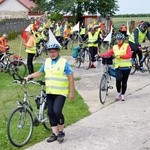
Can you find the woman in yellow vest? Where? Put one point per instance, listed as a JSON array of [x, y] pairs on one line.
[[122, 64], [59, 83], [30, 50], [137, 37]]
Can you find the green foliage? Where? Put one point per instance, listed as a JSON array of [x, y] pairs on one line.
[[55, 16], [77, 8]]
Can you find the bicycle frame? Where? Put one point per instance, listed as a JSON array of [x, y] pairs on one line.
[[21, 120]]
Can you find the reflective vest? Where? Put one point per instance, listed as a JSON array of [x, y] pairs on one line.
[[82, 32], [141, 36], [55, 78], [3, 43], [58, 32], [121, 51], [93, 38], [31, 50]]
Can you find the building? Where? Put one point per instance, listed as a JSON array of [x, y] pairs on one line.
[[17, 9]]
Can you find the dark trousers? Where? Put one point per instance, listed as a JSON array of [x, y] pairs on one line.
[[121, 80], [93, 52], [55, 104], [30, 63], [135, 49]]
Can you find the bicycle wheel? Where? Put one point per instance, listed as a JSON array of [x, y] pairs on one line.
[[46, 122], [17, 67], [147, 63], [103, 89], [77, 62], [133, 67], [20, 127], [87, 60], [70, 45]]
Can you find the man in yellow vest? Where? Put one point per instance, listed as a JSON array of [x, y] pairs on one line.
[[122, 64], [59, 83], [93, 40], [137, 37]]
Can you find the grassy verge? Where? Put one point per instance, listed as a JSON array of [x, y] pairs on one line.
[[11, 92]]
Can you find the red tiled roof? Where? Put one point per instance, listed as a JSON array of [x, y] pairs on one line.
[[27, 3], [1, 1]]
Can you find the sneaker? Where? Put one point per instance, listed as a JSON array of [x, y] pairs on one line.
[[52, 138], [61, 136], [142, 69], [118, 97], [122, 98]]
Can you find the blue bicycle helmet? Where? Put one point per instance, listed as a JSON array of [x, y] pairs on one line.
[[53, 46], [120, 36]]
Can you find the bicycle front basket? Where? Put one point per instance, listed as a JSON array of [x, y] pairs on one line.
[[108, 61]]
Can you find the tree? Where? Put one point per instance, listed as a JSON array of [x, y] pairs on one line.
[[77, 8]]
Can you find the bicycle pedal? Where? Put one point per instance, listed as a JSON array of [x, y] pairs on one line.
[[35, 122], [110, 87]]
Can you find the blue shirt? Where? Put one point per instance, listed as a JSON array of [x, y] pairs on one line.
[[67, 70]]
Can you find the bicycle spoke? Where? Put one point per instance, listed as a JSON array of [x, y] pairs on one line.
[[103, 89], [20, 127], [87, 60]]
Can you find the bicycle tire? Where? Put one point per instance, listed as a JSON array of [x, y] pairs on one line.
[[103, 89], [147, 63], [87, 60], [133, 67], [77, 62], [46, 123], [17, 67], [69, 45], [20, 127]]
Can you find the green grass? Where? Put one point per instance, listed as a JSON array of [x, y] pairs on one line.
[[119, 21], [11, 92]]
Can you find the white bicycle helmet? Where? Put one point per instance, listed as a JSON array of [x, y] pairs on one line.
[[53, 46]]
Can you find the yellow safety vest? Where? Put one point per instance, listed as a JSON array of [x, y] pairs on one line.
[[121, 51], [32, 50], [92, 38], [55, 78], [82, 32], [141, 36], [58, 32]]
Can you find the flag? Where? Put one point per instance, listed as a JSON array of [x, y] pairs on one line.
[[109, 36], [52, 39], [128, 32], [24, 35], [76, 27]]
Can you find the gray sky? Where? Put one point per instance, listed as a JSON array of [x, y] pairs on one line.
[[133, 6]]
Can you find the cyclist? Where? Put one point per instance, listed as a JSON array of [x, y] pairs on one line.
[[137, 37], [123, 29], [93, 40], [122, 64], [30, 46], [4, 47], [58, 77]]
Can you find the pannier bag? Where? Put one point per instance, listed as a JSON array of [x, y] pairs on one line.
[[75, 51], [17, 60]]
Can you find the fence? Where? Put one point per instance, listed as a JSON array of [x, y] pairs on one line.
[[13, 25]]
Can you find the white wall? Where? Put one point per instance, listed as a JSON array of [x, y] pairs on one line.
[[12, 5]]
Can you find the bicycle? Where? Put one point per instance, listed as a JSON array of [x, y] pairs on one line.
[[105, 81], [16, 66], [21, 122], [83, 57], [145, 60]]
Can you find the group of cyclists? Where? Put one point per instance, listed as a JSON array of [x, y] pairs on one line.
[[58, 73]]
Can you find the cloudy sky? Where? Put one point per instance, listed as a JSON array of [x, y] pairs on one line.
[[133, 6]]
